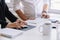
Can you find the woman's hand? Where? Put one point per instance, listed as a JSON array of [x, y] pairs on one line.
[[23, 22], [17, 24], [20, 23], [31, 18], [44, 15], [12, 25]]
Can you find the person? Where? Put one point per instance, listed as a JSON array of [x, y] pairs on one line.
[[31, 8], [4, 12]]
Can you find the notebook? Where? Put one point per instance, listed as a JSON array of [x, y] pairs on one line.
[[10, 33]]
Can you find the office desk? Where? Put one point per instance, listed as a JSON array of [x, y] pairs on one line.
[[32, 34]]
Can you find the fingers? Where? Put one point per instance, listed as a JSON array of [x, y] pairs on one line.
[[18, 21], [11, 25], [20, 24], [17, 24], [45, 16], [31, 18]]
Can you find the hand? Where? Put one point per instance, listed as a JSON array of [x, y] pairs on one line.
[[31, 18], [12, 25], [44, 15], [18, 21], [17, 24]]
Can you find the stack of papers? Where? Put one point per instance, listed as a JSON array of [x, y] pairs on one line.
[[10, 33], [37, 21], [34, 22]]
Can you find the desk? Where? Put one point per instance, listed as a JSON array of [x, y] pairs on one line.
[[32, 34]]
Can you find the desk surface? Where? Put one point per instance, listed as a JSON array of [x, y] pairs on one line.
[[32, 34]]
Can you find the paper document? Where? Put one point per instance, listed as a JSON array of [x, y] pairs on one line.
[[10, 33], [37, 21], [33, 22]]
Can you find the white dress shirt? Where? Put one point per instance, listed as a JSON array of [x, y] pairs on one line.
[[30, 7]]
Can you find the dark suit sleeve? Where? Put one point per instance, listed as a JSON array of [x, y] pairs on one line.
[[9, 15], [3, 24]]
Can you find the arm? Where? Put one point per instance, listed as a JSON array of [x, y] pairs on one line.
[[21, 15], [18, 10], [45, 9], [46, 5], [9, 15]]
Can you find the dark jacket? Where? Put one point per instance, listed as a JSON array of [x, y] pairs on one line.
[[4, 12]]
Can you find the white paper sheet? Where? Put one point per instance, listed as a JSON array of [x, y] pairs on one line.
[[8, 32]]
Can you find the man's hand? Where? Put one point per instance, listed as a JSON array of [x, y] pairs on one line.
[[44, 15]]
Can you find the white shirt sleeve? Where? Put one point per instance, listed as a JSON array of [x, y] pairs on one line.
[[16, 5]]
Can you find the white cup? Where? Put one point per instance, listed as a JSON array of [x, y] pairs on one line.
[[46, 29]]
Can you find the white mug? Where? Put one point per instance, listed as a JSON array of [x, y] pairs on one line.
[[46, 29]]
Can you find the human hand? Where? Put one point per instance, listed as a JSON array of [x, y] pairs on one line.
[[31, 18], [12, 25], [44, 15], [16, 24], [19, 21]]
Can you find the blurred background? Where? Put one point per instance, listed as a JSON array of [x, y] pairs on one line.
[[54, 8]]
